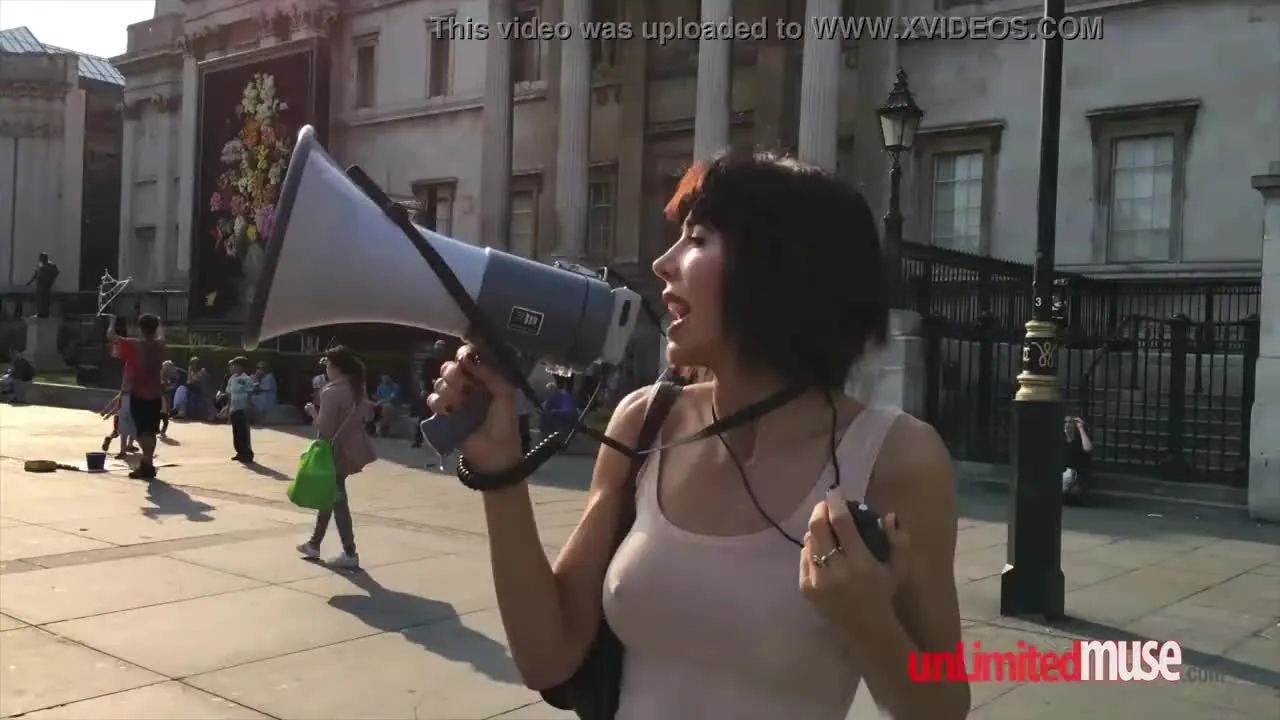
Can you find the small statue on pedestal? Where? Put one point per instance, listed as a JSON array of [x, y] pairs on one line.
[[44, 277]]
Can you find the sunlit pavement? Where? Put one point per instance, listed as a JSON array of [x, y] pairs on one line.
[[185, 599]]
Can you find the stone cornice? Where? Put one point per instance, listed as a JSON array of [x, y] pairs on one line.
[[281, 23], [39, 91], [27, 128], [133, 109]]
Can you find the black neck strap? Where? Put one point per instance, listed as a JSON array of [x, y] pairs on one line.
[[504, 359]]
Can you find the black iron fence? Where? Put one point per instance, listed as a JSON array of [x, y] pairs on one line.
[[1161, 370]]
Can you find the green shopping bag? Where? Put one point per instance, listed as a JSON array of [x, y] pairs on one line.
[[316, 484]]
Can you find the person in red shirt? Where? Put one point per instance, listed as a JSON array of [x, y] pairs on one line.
[[143, 358]]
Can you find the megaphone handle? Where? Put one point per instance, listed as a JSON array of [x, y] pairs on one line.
[[446, 432]]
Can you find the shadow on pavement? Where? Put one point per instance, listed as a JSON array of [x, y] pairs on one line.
[[265, 471], [1244, 672], [169, 500], [390, 610]]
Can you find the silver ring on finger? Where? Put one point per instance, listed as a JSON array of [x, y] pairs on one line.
[[821, 561]]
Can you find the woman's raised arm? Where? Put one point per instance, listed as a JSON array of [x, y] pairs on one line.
[[551, 615]]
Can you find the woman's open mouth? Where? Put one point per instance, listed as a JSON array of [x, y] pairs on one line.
[[677, 308]]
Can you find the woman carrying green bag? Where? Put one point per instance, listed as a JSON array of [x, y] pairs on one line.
[[340, 418]]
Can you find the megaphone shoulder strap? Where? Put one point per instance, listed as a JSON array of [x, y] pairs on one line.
[[504, 358]]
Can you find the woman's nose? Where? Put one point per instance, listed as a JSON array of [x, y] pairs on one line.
[[663, 265]]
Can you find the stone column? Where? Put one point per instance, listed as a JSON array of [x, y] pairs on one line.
[[1264, 427], [573, 147], [188, 140], [166, 235], [128, 163], [715, 84], [628, 242], [495, 173], [67, 253], [820, 91]]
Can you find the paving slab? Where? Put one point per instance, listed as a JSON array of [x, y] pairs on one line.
[[417, 634], [441, 671], [41, 669], [65, 593], [10, 623], [537, 711], [170, 513], [393, 597], [162, 701], [1104, 701], [275, 560], [1209, 629], [35, 541], [194, 636], [1249, 593]]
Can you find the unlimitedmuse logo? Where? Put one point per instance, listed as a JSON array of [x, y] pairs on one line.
[[1085, 661]]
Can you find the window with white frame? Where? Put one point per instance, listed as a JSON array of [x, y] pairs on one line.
[[1139, 161], [601, 215], [953, 185], [1140, 226], [435, 206], [524, 216], [957, 218]]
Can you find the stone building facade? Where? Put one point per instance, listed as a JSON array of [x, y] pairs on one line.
[[569, 148], [59, 155]]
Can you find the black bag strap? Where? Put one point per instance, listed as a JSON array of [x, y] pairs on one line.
[[664, 398]]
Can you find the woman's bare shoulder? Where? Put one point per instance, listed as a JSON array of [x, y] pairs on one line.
[[915, 454]]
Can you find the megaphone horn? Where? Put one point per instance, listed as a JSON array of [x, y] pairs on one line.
[[342, 252]]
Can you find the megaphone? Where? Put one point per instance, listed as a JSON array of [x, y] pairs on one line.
[[341, 251]]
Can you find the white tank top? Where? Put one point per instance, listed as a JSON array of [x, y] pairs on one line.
[[715, 627]]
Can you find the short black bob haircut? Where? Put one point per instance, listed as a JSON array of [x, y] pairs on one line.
[[805, 287]]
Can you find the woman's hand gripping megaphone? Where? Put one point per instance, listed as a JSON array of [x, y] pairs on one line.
[[495, 445]]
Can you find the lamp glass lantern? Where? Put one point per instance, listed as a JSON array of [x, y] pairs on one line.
[[899, 117]]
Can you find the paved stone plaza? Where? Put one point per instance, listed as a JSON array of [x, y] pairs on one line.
[[184, 599]]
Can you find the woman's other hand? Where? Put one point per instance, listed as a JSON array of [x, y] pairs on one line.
[[495, 445], [311, 410], [851, 585]]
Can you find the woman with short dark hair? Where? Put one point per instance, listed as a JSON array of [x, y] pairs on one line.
[[744, 589]]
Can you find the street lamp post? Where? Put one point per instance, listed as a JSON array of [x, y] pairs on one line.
[[899, 120], [1032, 582]]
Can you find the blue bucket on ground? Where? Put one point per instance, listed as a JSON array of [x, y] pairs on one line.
[[95, 461]]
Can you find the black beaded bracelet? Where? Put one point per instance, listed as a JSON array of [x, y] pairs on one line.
[[488, 482]]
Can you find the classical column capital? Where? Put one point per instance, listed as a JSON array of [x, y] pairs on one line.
[[313, 16]]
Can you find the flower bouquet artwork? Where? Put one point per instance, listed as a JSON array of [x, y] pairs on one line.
[[253, 166]]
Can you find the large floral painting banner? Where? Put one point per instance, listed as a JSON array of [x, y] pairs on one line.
[[251, 115], [253, 164]]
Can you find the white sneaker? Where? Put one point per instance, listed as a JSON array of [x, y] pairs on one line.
[[309, 551], [345, 561]]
